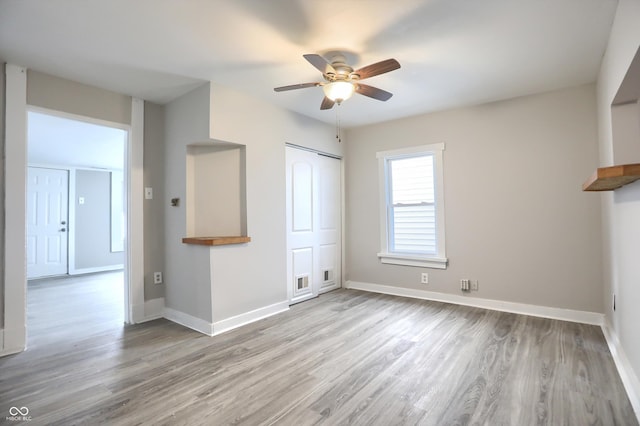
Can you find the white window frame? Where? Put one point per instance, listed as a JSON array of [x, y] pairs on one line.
[[439, 261]]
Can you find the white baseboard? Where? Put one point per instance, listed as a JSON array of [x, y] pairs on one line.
[[189, 321], [495, 305], [94, 270], [249, 317], [153, 309], [629, 378], [228, 324]]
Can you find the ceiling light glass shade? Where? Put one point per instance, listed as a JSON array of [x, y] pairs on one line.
[[338, 91]]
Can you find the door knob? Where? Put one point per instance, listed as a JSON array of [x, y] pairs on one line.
[[64, 222], [62, 229]]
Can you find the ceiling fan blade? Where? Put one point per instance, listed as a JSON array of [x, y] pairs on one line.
[[373, 92], [377, 68], [320, 63], [327, 103], [295, 86]]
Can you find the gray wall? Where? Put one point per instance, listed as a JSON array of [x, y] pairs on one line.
[[93, 221], [621, 208], [187, 273], [516, 218], [214, 112], [153, 209], [59, 94], [263, 129]]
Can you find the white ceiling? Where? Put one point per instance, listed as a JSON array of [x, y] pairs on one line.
[[452, 52], [59, 141]]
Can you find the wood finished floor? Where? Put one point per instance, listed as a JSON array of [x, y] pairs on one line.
[[347, 357]]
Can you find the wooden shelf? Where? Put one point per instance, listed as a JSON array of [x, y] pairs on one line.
[[610, 178], [215, 241]]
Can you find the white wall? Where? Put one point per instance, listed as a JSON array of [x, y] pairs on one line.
[[621, 209], [516, 218], [245, 277]]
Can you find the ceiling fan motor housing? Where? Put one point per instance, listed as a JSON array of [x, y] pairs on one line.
[[342, 70]]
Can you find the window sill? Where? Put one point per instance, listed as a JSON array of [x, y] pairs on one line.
[[408, 260]]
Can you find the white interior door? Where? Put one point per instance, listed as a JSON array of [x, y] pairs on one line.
[[47, 221], [314, 249]]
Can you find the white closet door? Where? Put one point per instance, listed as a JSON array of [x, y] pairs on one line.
[[313, 224]]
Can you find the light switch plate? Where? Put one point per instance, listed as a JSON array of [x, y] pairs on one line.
[[148, 193]]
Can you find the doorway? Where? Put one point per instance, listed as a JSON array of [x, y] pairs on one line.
[[75, 218], [314, 226], [14, 332]]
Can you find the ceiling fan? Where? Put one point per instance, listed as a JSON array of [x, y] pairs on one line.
[[341, 81]]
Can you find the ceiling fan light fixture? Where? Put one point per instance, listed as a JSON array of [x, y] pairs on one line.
[[341, 81], [339, 91]]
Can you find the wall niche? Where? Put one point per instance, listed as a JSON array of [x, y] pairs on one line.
[[216, 196]]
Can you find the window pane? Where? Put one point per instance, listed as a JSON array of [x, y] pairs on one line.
[[414, 229], [412, 180], [413, 221]]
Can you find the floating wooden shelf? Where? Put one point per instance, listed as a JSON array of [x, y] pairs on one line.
[[610, 178], [215, 241]]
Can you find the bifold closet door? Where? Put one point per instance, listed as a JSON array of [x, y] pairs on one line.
[[313, 224]]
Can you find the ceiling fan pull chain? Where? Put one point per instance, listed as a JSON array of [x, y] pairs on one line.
[[338, 125]]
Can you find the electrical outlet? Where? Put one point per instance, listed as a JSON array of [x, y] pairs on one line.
[[424, 278], [474, 285], [465, 285], [157, 277]]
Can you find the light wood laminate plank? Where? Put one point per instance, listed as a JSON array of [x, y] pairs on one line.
[[347, 357]]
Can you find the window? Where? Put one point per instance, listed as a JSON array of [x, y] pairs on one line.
[[412, 207]]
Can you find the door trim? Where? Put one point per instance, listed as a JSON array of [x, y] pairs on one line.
[[15, 195], [304, 148]]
